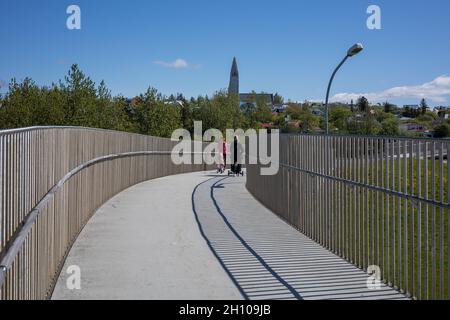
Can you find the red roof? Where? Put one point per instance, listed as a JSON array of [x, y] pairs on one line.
[[267, 126]]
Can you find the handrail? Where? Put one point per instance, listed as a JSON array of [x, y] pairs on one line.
[[27, 129], [341, 135], [437, 204], [18, 240]]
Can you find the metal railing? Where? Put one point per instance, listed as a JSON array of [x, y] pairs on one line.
[[52, 180], [374, 201]]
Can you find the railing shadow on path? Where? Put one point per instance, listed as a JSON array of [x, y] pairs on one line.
[[265, 257]]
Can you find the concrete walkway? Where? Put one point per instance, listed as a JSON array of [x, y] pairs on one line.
[[145, 244], [200, 236]]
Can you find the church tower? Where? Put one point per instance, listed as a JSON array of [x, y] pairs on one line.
[[233, 87]]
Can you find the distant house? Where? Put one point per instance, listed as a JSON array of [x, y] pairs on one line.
[[443, 112], [294, 123], [411, 106], [174, 103], [413, 127], [318, 130], [133, 101], [267, 126], [279, 108], [253, 98], [317, 112]]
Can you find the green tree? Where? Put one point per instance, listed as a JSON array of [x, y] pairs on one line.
[[442, 131], [423, 106], [220, 112], [388, 107], [363, 104], [367, 125], [278, 99], [25, 104], [81, 99], [390, 127], [294, 111], [263, 112], [308, 121], [154, 117], [339, 117]]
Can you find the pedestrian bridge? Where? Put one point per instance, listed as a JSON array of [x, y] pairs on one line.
[[140, 227], [201, 236]]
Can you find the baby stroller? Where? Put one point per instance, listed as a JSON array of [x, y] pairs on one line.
[[236, 170]]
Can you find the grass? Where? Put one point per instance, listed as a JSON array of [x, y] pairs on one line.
[[376, 211]]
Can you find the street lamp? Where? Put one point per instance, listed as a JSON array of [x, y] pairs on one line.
[[357, 48]]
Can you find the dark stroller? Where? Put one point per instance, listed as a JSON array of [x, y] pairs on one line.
[[236, 170]]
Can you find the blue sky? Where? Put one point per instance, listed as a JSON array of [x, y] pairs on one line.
[[290, 47]]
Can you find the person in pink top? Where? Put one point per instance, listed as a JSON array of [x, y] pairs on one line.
[[223, 151]]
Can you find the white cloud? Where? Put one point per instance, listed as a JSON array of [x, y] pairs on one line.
[[177, 64], [437, 90]]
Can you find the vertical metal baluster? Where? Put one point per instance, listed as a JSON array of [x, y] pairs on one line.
[[441, 222], [339, 196], [377, 206], [383, 209], [346, 206], [329, 185], [360, 197], [351, 231], [361, 193], [311, 185], [405, 216], [398, 212], [387, 243], [322, 191], [371, 208], [372, 200], [419, 222], [412, 219], [433, 221], [327, 191], [354, 222], [309, 190], [366, 208], [425, 240], [344, 195], [315, 186], [392, 218], [448, 222], [332, 188]]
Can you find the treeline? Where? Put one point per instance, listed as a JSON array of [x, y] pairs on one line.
[[361, 118], [78, 101]]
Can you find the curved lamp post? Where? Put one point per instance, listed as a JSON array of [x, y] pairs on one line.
[[357, 48]]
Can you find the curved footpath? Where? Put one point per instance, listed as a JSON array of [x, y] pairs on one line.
[[203, 236]]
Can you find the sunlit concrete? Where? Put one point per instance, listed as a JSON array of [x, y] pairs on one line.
[[203, 236], [145, 244]]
